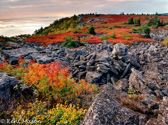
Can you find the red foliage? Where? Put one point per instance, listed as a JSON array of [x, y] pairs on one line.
[[108, 24], [93, 40], [1, 66]]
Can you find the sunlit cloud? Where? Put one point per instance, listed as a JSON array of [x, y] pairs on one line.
[[28, 9]]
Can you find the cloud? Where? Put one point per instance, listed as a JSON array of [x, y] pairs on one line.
[[14, 0], [19, 9]]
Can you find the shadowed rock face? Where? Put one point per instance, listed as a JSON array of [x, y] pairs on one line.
[[106, 110]]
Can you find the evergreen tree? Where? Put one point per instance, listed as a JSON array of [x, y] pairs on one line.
[[91, 30], [131, 20]]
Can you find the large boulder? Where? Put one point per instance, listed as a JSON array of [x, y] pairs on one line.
[[13, 54], [119, 50], [162, 118], [93, 77], [7, 91], [137, 82], [106, 110]]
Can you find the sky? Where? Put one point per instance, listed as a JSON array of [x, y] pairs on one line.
[[25, 16]]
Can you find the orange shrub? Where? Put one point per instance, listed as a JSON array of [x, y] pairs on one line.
[[52, 81]]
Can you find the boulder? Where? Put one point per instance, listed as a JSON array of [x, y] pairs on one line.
[[106, 110], [7, 91], [103, 56], [41, 58], [137, 82], [119, 50], [93, 77], [24, 51], [102, 68]]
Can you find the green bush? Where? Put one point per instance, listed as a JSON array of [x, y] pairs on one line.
[[145, 29], [91, 30], [70, 43], [137, 22], [103, 38], [38, 113], [134, 30], [131, 20]]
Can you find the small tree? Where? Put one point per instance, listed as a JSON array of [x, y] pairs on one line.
[[131, 20], [91, 30], [145, 29], [137, 21]]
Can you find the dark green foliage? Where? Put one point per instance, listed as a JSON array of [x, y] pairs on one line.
[[145, 29], [59, 25], [91, 30], [131, 20], [137, 22], [155, 22], [75, 17], [70, 43], [135, 30], [6, 39], [103, 37], [38, 31]]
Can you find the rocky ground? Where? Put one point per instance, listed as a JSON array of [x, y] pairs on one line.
[[141, 68]]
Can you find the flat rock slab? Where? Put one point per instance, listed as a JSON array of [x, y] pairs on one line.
[[41, 58], [6, 54], [106, 110]]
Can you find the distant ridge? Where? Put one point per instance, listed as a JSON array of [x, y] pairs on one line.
[[164, 14]]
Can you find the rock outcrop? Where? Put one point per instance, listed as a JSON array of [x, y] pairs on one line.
[[106, 110]]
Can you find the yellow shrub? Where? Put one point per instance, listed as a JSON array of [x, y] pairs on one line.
[[60, 115], [165, 42]]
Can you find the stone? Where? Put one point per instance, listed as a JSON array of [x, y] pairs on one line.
[[137, 82], [93, 77], [7, 91], [102, 56], [80, 63], [165, 92], [159, 121], [41, 58], [122, 85], [126, 70], [119, 50], [106, 110], [102, 68]]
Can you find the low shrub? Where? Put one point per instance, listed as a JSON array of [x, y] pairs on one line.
[[132, 102], [70, 43], [38, 113], [103, 38], [145, 29], [131, 20], [165, 42], [52, 87], [51, 81]]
